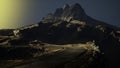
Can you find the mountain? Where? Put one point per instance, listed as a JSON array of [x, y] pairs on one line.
[[71, 25]]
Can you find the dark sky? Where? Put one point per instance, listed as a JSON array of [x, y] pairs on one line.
[[104, 10]]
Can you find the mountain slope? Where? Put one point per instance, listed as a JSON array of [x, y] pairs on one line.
[[70, 24]]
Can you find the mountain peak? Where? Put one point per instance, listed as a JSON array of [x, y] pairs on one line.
[[66, 6], [74, 11], [76, 5], [58, 12], [76, 8], [69, 12]]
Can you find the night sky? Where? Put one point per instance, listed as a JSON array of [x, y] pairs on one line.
[[33, 10]]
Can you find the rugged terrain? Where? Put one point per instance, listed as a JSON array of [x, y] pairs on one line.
[[54, 56], [67, 25]]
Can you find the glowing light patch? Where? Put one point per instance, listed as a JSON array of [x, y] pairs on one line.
[[10, 13]]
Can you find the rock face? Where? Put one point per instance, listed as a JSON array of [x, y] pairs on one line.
[[70, 24], [68, 12], [75, 12]]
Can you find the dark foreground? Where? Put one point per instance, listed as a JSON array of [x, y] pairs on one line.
[[65, 56]]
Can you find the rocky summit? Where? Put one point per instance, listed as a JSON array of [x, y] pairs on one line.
[[67, 25]]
